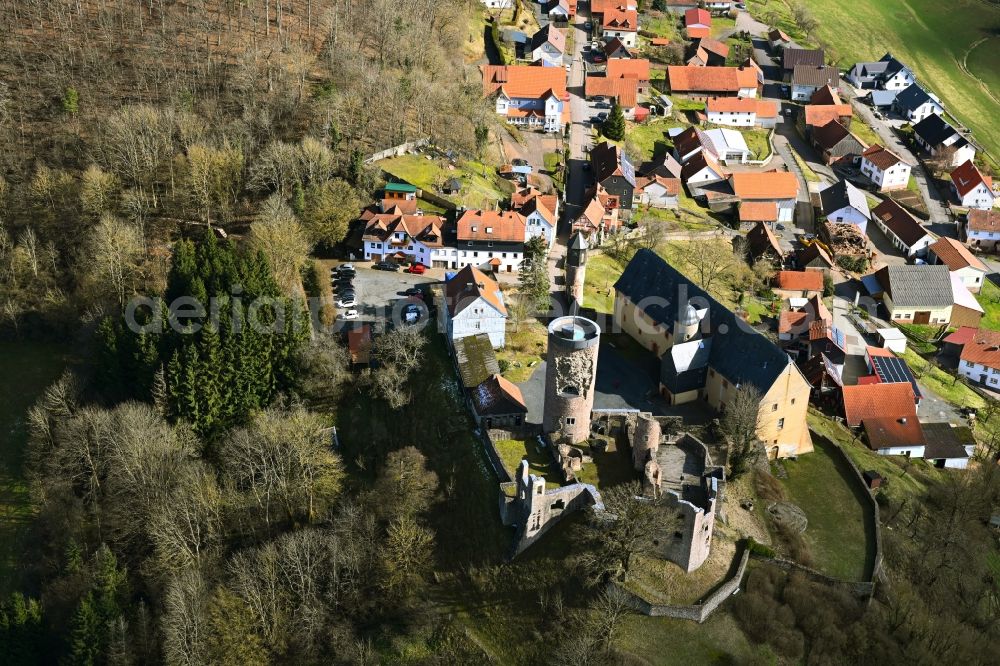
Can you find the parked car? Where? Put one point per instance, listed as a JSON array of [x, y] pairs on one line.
[[779, 227], [598, 57], [414, 292], [601, 117], [411, 313], [345, 267], [348, 315], [588, 25], [347, 302], [386, 266], [417, 269], [602, 105], [341, 287]]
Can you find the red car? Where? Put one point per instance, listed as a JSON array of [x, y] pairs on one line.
[[417, 269]]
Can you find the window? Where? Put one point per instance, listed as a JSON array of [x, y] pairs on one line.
[[478, 325], [489, 230], [570, 420], [781, 423], [793, 401], [774, 407]]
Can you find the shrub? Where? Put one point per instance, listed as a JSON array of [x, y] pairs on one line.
[[759, 549]]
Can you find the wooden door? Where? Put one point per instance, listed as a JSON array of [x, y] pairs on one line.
[[922, 318]]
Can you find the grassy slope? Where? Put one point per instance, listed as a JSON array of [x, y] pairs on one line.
[[930, 36], [822, 487], [29, 368], [478, 190], [989, 298], [602, 273]]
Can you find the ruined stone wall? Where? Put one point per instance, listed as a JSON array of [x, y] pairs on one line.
[[570, 379], [645, 440], [575, 279], [696, 612]]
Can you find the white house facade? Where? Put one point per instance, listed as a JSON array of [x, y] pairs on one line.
[[473, 305], [980, 373], [733, 118], [885, 169], [979, 196]]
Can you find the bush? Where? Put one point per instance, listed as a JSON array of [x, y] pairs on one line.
[[853, 264], [759, 549], [827, 285], [504, 365]]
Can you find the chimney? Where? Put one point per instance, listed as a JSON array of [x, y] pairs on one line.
[[903, 420]]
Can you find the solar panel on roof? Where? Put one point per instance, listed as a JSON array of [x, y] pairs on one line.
[[893, 370], [839, 338], [627, 169]]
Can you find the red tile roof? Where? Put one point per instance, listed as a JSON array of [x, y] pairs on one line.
[[423, 228], [758, 211], [826, 96], [881, 157], [884, 432], [983, 220], [490, 225], [468, 285], [817, 116], [984, 348], [879, 401], [766, 186], [792, 320], [962, 336], [731, 105], [766, 109], [625, 91], [800, 280], [955, 255], [967, 177], [698, 32], [710, 79], [524, 81], [697, 17], [714, 46], [621, 19], [628, 68], [672, 186]]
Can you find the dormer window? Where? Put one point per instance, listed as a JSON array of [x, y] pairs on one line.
[[489, 230], [474, 229]]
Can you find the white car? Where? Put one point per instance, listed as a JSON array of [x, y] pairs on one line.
[[350, 314], [345, 267], [347, 303]]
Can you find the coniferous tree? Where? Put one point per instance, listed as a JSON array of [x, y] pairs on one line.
[[614, 126], [85, 633]]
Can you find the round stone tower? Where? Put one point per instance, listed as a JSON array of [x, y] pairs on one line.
[[576, 267], [645, 440], [570, 376]]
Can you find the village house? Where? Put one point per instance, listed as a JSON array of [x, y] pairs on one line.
[[885, 367], [970, 270], [740, 111], [548, 46], [798, 284], [781, 187], [709, 52], [889, 411], [778, 40], [596, 218], [837, 144], [701, 169], [884, 168], [712, 81], [981, 229], [495, 401], [614, 49], [757, 212], [561, 11], [624, 91], [359, 345], [404, 239], [914, 103], [697, 23], [794, 57], [917, 294], [490, 239], [539, 219], [473, 304], [707, 352], [761, 241], [613, 172], [616, 19], [902, 229], [948, 446], [979, 360], [966, 311], [798, 315], [885, 74], [814, 116], [528, 96], [935, 136], [807, 79], [813, 257], [657, 191], [971, 188], [845, 204]]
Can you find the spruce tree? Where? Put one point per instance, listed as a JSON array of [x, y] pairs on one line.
[[85, 634], [614, 126]]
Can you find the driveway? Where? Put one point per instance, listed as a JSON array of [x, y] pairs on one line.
[[380, 293]]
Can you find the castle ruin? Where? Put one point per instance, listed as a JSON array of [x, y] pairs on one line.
[[570, 378]]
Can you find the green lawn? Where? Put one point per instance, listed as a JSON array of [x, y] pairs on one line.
[[602, 273], [512, 451], [934, 38], [757, 142], [823, 488], [481, 186], [609, 468], [28, 369], [661, 24], [668, 642], [904, 478], [989, 299], [650, 138], [722, 24], [863, 131], [525, 349], [807, 172]]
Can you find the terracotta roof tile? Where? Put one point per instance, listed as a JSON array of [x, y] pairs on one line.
[[955, 255], [769, 185], [697, 17], [628, 67], [714, 46], [468, 285], [792, 320], [759, 211], [624, 90], [731, 105], [967, 177], [817, 116], [881, 157], [884, 432], [761, 239], [800, 280], [710, 79], [490, 225], [524, 81], [877, 401], [984, 348], [984, 220]]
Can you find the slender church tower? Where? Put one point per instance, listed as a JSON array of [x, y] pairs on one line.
[[576, 267]]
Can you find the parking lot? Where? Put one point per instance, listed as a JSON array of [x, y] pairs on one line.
[[379, 293]]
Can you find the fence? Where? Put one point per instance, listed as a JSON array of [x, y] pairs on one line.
[[696, 612]]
